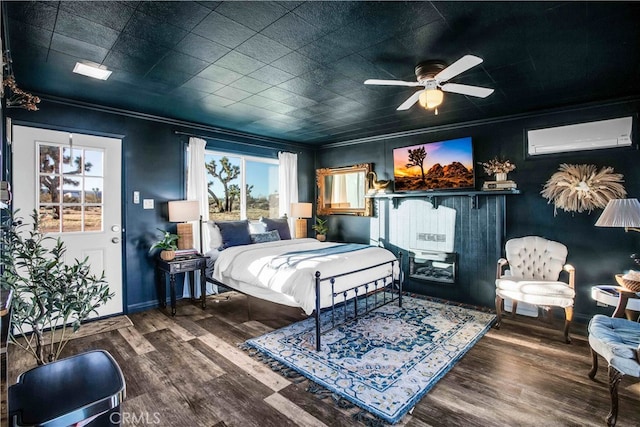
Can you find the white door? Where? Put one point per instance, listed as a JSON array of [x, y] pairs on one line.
[[73, 180]]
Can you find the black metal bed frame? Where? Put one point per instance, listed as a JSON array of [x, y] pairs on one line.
[[387, 285]]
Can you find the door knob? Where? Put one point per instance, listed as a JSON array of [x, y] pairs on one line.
[[115, 240], [115, 228]]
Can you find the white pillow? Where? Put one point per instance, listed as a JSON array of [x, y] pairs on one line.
[[215, 238], [257, 227]]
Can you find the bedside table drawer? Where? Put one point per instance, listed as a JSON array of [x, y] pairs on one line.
[[187, 265]]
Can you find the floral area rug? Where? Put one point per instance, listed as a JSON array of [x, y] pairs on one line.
[[385, 361]]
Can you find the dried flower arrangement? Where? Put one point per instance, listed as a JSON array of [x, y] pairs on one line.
[[495, 166], [579, 188]]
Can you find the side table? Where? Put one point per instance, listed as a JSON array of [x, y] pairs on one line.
[[625, 301], [187, 264]]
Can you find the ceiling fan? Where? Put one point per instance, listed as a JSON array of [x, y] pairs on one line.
[[433, 76]]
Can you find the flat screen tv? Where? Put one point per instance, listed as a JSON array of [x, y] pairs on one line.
[[443, 165]]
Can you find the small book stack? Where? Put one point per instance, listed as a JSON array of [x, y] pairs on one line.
[[186, 252], [499, 185]]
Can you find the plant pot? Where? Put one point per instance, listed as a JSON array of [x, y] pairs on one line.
[[321, 237], [501, 176], [167, 255]]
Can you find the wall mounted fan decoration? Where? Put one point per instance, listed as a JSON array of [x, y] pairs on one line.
[[433, 76]]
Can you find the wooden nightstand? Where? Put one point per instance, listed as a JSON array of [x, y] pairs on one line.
[[188, 264]]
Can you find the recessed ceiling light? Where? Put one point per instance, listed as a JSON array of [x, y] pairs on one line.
[[92, 71]]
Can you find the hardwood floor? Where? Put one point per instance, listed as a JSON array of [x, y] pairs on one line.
[[188, 371]]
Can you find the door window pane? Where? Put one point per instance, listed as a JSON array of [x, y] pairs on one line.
[[71, 188]]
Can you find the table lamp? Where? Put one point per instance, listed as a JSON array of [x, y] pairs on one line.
[[182, 211], [621, 213], [301, 211]]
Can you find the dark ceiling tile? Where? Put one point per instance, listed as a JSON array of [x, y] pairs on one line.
[[183, 14], [358, 36], [271, 75], [258, 101], [239, 63], [111, 14], [254, 14], [307, 89], [202, 85], [250, 85], [154, 30], [216, 100], [34, 35], [330, 15], [299, 101], [37, 14], [121, 61], [219, 74], [211, 5], [233, 93], [295, 64], [292, 31], [432, 42], [139, 48], [168, 76], [201, 48], [85, 30], [223, 30], [263, 48], [78, 48], [357, 68], [324, 51], [277, 94], [281, 108], [180, 62]]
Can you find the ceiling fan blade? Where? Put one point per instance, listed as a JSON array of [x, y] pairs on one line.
[[391, 83], [458, 67], [480, 92], [410, 101]]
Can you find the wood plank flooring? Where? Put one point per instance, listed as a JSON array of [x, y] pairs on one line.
[[188, 371]]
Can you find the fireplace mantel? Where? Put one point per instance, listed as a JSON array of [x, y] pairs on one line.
[[432, 196]]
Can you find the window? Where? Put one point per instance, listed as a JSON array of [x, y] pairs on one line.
[[241, 187], [71, 188]]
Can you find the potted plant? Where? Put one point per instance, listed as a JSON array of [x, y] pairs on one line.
[[167, 244], [49, 294], [321, 229]]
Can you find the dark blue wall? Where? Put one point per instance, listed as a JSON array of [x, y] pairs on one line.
[[154, 165], [597, 253]]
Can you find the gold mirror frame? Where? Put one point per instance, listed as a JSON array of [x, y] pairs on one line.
[[326, 175]]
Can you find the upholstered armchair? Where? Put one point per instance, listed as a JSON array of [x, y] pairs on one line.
[[533, 276], [618, 341]]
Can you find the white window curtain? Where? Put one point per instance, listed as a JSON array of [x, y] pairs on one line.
[[197, 190], [287, 183]]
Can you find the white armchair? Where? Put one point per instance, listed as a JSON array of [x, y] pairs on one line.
[[533, 277]]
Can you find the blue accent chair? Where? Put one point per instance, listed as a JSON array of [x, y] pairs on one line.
[[618, 341]]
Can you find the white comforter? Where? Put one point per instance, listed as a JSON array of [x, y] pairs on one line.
[[250, 269]]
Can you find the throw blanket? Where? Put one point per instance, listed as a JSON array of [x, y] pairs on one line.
[[291, 259], [248, 269]]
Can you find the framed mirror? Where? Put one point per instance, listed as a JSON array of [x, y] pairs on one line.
[[342, 190]]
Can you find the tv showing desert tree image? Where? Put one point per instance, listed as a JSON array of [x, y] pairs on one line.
[[443, 165]]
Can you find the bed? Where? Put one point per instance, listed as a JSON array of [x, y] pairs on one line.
[[312, 275]]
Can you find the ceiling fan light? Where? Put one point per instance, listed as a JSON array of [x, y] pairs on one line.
[[431, 98]]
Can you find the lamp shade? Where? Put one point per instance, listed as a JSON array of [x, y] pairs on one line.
[[301, 210], [620, 213], [184, 210], [431, 98]]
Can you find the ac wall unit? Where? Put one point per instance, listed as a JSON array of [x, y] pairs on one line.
[[583, 136]]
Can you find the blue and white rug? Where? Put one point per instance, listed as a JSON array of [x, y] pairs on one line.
[[385, 361]]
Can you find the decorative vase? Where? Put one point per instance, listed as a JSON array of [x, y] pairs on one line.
[[321, 237], [167, 255], [501, 176]]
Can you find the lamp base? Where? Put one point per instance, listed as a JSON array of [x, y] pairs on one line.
[[301, 228], [185, 235]]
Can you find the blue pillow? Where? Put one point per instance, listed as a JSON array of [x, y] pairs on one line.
[[269, 236], [234, 233], [280, 224]]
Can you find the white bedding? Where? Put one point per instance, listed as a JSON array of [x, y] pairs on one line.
[[250, 270]]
